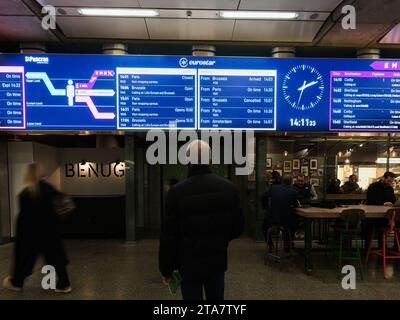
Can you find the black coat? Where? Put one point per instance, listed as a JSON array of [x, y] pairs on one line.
[[202, 215], [378, 194], [283, 201], [38, 229]]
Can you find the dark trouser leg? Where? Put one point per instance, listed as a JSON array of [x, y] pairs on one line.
[[23, 266], [63, 279], [192, 289], [55, 256], [214, 287]]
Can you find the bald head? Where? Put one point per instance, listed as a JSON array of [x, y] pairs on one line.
[[198, 152]]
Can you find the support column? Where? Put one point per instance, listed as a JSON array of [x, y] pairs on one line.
[[283, 52], [32, 47], [261, 183], [130, 190], [130, 163], [368, 54], [203, 51], [115, 48], [5, 231]]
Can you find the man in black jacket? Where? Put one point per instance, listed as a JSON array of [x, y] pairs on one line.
[[202, 215], [380, 193]]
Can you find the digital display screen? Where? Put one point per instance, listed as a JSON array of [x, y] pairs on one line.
[[105, 92]]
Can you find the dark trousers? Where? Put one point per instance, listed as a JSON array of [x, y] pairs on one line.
[[24, 265], [213, 285]]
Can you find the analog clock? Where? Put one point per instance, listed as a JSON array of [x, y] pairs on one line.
[[303, 87]]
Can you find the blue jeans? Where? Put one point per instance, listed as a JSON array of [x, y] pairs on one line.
[[214, 287]]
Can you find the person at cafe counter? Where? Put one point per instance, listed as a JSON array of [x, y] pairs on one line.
[[380, 193], [305, 191], [352, 186]]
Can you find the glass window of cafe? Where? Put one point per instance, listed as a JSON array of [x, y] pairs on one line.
[[324, 157]]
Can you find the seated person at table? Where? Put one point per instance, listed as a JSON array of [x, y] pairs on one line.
[[305, 191], [380, 193], [283, 200], [334, 187], [352, 186]]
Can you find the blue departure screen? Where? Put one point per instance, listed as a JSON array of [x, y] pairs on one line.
[[102, 92]]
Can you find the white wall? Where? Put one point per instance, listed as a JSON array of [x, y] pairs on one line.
[[51, 162], [19, 155], [47, 159]]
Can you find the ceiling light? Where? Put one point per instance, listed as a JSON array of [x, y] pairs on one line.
[[266, 15], [114, 12]]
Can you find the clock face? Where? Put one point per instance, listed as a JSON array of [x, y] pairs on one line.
[[303, 87]]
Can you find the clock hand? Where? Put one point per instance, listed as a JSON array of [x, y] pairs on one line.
[[301, 93], [304, 86]]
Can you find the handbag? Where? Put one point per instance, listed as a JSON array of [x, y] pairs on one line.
[[63, 204]]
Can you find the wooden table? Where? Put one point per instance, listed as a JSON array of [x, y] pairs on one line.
[[312, 213], [346, 196]]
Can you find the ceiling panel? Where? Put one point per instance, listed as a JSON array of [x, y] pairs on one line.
[[91, 3], [393, 36], [305, 5], [23, 28], [103, 27], [186, 29], [190, 4], [275, 31], [13, 7], [383, 11], [361, 36]]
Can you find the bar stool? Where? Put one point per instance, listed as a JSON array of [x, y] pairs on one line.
[[349, 229], [393, 216], [277, 235]]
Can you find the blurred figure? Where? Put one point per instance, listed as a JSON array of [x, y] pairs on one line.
[[305, 191], [334, 187], [38, 232], [351, 186], [275, 177], [203, 215], [281, 209]]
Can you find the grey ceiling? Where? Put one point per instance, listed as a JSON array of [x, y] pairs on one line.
[[20, 21]]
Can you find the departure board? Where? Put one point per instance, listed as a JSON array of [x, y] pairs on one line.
[[365, 100], [237, 98], [154, 98], [12, 98], [107, 92]]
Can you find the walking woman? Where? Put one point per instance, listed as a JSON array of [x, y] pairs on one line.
[[38, 232]]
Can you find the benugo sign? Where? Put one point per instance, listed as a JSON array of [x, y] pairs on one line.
[[95, 170], [93, 179]]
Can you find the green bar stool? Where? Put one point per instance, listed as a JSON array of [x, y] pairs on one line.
[[348, 230]]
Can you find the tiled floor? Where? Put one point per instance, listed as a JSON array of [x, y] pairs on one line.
[[109, 269]]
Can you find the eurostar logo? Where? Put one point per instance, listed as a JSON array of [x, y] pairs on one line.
[[183, 62]]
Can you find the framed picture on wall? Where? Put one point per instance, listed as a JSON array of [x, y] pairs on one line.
[[304, 170], [314, 182], [296, 164], [269, 163], [313, 164], [287, 166]]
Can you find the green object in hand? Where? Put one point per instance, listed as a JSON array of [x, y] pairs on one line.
[[175, 283]]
